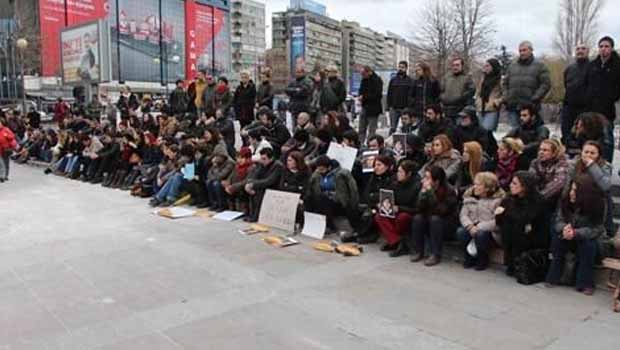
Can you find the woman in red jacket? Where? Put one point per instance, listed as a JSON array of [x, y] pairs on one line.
[[7, 145]]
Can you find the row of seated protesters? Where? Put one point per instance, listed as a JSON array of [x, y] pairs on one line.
[[452, 181]]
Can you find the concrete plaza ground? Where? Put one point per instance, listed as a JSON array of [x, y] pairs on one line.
[[83, 267]]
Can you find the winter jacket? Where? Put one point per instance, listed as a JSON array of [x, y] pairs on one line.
[[424, 93], [178, 101], [294, 182], [406, 194], [223, 100], [7, 140], [374, 186], [264, 95], [340, 90], [526, 81], [523, 216], [208, 98], [266, 177], [584, 229], [575, 84], [481, 211], [94, 147], [603, 85], [450, 163], [457, 91], [299, 92], [474, 132], [494, 102], [531, 134], [221, 171], [244, 101], [601, 173], [429, 130], [552, 177], [371, 91], [201, 97], [399, 91], [346, 192], [226, 128], [440, 202]]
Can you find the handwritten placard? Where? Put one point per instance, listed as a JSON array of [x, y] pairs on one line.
[[343, 154], [279, 210]]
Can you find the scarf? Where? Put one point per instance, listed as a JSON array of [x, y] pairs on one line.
[[242, 170], [505, 169]]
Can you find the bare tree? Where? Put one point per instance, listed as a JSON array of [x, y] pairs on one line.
[[435, 36], [577, 23], [475, 27]]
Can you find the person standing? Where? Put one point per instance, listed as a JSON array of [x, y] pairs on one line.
[[299, 92], [426, 90], [370, 93], [603, 88], [61, 109], [575, 101], [244, 100], [335, 86], [178, 99], [489, 95], [7, 145], [457, 90], [527, 81], [264, 96], [399, 91], [200, 85]]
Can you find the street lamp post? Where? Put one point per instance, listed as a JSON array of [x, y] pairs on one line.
[[22, 44]]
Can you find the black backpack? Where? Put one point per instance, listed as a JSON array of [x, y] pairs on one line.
[[531, 266]]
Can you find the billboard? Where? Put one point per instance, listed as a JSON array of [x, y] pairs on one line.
[[85, 53], [310, 5], [137, 37], [298, 42], [208, 39], [52, 16]]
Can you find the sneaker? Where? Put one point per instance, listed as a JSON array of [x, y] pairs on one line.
[[154, 202]]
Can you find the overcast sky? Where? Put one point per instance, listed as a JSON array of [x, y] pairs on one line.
[[516, 20]]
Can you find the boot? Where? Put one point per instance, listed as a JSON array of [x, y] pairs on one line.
[[482, 262], [120, 177], [107, 180], [130, 180]]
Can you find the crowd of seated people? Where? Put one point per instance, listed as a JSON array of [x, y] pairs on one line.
[[452, 181]]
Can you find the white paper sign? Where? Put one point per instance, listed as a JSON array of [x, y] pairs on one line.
[[279, 210], [314, 225], [345, 155], [228, 215]]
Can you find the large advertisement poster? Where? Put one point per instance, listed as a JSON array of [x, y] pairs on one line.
[[85, 53], [298, 43], [208, 40], [139, 31], [52, 15], [80, 54]]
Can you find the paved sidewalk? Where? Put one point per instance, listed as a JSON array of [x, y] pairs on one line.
[[83, 267]]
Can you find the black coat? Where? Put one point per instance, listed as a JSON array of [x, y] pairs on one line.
[[226, 127], [399, 91], [424, 93], [603, 85], [178, 101], [521, 212], [532, 134], [373, 187], [244, 101], [475, 132], [371, 91], [299, 92], [294, 182], [266, 177], [264, 96], [340, 90], [575, 84], [406, 194], [429, 130]]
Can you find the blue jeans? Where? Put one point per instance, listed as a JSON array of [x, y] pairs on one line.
[[394, 118], [171, 189], [489, 120], [483, 241], [72, 163], [586, 252], [215, 191], [514, 119]]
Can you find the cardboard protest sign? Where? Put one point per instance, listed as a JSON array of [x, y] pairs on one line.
[[343, 154], [386, 203], [368, 161], [279, 210], [399, 145], [314, 225]]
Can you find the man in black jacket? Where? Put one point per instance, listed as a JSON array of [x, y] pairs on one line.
[[371, 93], [603, 88], [398, 94], [299, 92], [469, 130], [337, 88], [575, 101], [435, 124], [531, 132], [178, 100], [265, 176]]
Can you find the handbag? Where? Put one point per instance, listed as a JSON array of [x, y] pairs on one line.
[[531, 266]]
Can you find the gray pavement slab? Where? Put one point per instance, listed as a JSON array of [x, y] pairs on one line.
[[88, 268]]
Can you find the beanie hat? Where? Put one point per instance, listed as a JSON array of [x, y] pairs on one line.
[[607, 38]]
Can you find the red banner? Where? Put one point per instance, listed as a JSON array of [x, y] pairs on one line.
[[52, 15], [200, 29]]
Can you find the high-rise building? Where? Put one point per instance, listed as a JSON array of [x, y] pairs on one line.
[[360, 48], [301, 37], [248, 37], [401, 48], [309, 5]]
